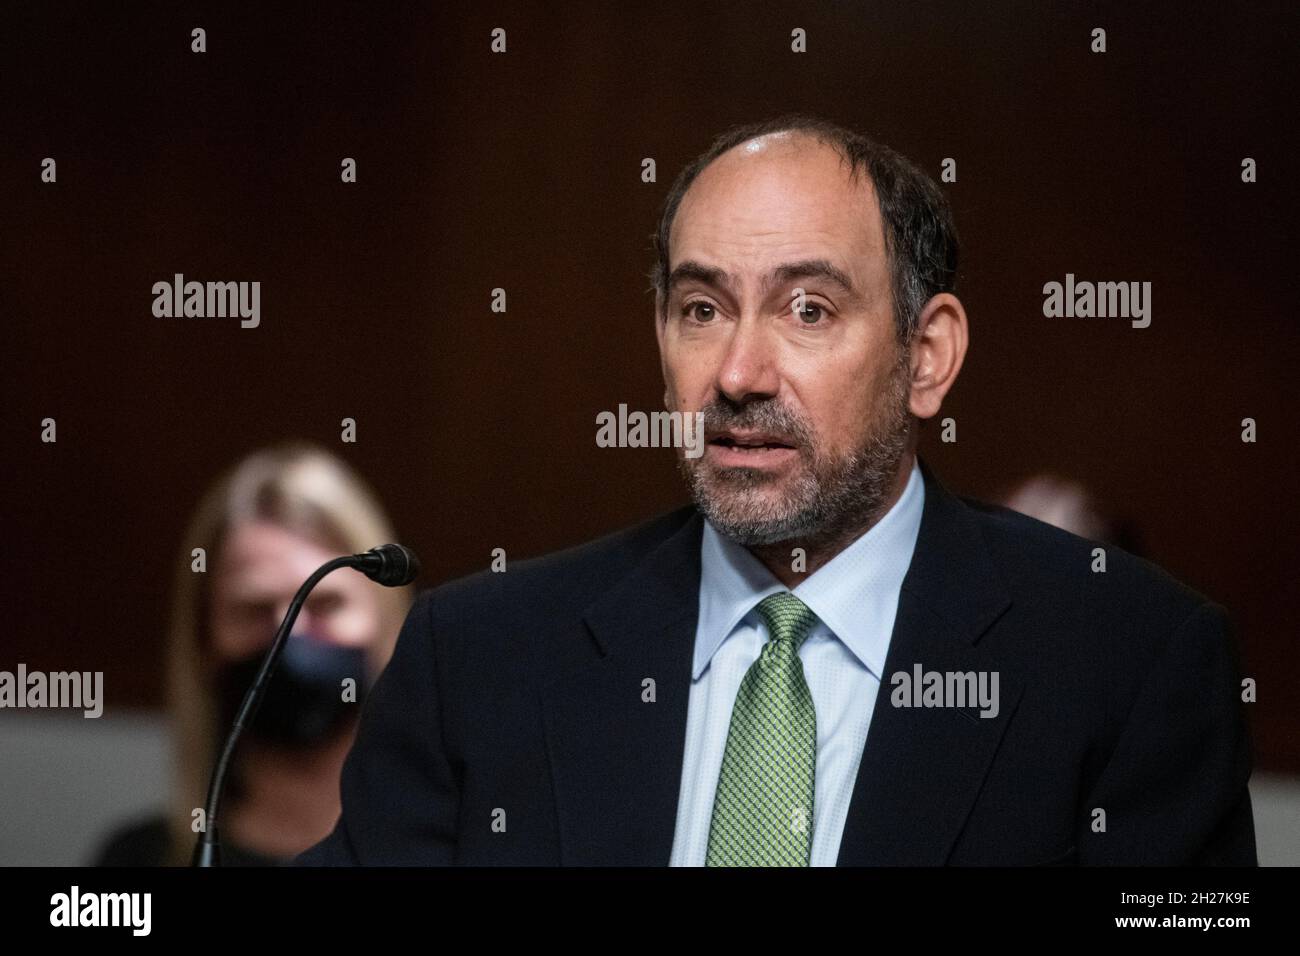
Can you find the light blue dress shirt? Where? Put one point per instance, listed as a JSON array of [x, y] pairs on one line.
[[855, 597]]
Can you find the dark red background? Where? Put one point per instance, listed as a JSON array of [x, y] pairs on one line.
[[523, 171]]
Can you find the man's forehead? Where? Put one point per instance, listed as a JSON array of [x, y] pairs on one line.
[[762, 206]]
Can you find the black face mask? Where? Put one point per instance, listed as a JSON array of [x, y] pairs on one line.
[[303, 706]]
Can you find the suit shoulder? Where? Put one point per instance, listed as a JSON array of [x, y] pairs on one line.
[[558, 579]]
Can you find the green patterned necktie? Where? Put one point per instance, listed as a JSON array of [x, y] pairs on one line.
[[763, 810]]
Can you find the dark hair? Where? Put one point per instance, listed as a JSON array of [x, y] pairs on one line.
[[920, 237]]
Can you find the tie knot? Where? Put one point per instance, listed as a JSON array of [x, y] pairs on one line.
[[787, 618]]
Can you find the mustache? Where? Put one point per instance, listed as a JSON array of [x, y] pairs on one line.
[[769, 417]]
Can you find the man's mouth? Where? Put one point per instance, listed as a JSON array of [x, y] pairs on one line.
[[751, 441], [742, 449]]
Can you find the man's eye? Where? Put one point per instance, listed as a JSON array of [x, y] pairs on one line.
[[811, 313], [705, 314]]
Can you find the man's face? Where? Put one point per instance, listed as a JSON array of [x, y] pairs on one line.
[[805, 412]]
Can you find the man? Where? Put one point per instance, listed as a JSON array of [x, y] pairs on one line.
[[830, 659]]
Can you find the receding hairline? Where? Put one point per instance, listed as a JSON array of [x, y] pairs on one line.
[[791, 140]]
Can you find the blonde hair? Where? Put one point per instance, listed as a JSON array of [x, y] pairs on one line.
[[303, 489]]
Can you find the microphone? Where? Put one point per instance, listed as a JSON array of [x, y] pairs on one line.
[[391, 565]]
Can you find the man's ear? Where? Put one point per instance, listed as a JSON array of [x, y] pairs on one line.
[[938, 350]]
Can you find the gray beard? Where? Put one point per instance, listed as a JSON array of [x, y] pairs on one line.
[[829, 497]]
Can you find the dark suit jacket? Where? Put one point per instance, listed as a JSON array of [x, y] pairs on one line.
[[516, 698]]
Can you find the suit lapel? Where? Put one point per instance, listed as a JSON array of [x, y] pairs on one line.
[[922, 768], [616, 758]]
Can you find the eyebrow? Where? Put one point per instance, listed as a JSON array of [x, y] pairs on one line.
[[803, 269]]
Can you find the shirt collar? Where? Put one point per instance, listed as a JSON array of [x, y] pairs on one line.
[[855, 594]]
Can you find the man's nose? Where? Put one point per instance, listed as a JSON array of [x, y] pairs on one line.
[[749, 368]]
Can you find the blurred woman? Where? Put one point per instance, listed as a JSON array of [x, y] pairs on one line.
[[264, 527], [1067, 504]]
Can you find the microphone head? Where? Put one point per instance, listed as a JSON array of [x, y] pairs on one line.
[[392, 565]]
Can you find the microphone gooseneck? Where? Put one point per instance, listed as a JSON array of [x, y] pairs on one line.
[[391, 565]]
